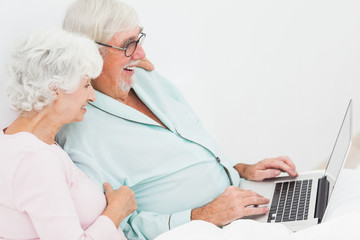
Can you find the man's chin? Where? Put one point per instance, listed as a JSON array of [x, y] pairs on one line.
[[125, 86]]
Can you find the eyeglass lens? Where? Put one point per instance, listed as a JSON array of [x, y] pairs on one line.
[[131, 48]]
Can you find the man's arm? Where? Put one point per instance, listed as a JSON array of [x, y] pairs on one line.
[[236, 203], [267, 168], [232, 204]]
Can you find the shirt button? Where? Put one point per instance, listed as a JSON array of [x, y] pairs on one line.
[[218, 159]]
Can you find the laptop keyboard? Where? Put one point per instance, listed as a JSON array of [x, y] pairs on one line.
[[290, 201]]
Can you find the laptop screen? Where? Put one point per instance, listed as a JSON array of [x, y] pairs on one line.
[[340, 149]]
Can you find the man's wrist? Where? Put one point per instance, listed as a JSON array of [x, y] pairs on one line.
[[195, 214], [202, 213], [241, 169]]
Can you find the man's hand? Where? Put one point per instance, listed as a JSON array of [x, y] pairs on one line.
[[232, 204], [267, 168], [145, 64]]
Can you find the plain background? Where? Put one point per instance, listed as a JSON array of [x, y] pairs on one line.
[[267, 77]]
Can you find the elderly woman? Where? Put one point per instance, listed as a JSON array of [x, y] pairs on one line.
[[43, 195]]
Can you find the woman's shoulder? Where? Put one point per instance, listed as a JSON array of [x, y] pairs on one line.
[[23, 142], [22, 147]]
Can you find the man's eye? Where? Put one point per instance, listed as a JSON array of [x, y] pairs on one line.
[[126, 45]]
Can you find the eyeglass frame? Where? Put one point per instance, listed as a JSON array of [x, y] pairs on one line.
[[142, 35]]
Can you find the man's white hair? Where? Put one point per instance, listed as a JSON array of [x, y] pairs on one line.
[[100, 19], [45, 60]]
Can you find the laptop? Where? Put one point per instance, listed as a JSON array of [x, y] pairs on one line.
[[301, 202]]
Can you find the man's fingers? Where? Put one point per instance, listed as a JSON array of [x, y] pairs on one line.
[[251, 205], [248, 211], [254, 200], [280, 165], [270, 173], [288, 161]]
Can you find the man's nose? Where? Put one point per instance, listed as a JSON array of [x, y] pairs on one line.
[[139, 53]]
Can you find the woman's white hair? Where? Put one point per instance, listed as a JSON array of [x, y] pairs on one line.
[[100, 19], [46, 60]]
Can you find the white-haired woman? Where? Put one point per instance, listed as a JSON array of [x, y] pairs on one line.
[[43, 195]]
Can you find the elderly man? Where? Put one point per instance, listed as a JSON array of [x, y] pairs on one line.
[[143, 134]]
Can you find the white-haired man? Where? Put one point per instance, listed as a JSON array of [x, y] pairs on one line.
[[144, 135]]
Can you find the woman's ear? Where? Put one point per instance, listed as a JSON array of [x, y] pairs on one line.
[[55, 91]]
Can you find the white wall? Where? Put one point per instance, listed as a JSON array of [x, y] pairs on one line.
[[18, 17], [266, 77]]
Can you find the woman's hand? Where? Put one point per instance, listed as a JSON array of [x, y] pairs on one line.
[[120, 203], [145, 64]]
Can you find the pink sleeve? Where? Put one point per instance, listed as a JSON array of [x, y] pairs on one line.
[[40, 188]]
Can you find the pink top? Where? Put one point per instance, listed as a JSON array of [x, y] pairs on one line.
[[43, 195]]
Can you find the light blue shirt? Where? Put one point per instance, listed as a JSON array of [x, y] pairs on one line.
[[171, 171]]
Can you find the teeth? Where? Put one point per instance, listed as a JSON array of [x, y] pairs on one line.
[[129, 68]]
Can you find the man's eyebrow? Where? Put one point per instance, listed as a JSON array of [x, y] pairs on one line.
[[129, 40]]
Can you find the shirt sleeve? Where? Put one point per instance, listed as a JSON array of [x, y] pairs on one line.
[[41, 190], [149, 225]]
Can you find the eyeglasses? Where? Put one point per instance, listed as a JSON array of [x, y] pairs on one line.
[[130, 48]]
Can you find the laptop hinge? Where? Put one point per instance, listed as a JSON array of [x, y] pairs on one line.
[[321, 198]]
